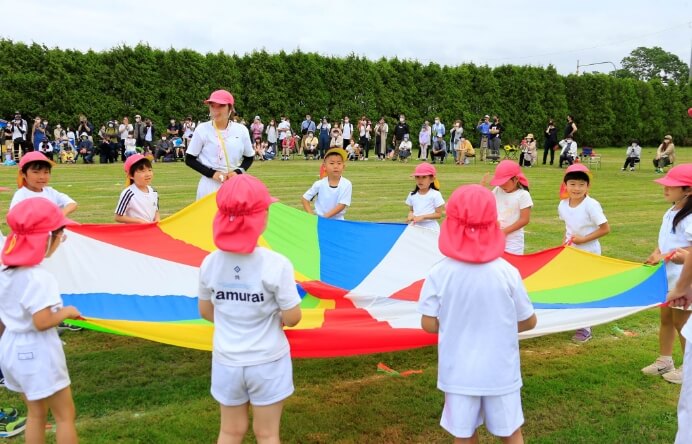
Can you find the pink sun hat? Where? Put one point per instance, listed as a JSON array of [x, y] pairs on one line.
[[424, 169], [243, 201], [471, 233], [222, 97], [574, 168], [33, 156], [505, 171], [31, 222], [133, 159], [678, 176]]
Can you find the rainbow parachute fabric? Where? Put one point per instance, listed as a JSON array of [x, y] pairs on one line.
[[359, 281]]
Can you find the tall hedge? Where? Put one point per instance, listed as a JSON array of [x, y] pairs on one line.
[[61, 84]]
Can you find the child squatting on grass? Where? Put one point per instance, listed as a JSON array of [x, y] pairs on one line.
[[139, 202], [478, 304], [332, 193], [675, 232], [33, 360], [248, 292]]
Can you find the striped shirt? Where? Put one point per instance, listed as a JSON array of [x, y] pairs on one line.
[[135, 203]]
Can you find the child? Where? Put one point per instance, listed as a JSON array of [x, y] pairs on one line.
[[675, 232], [351, 150], [33, 179], [680, 296], [269, 152], [333, 191], [259, 149], [634, 152], [287, 145], [130, 144], [584, 220], [425, 201], [67, 154], [478, 304], [513, 204], [248, 292], [139, 202], [33, 360]]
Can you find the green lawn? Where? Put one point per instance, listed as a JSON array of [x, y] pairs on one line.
[[133, 391]]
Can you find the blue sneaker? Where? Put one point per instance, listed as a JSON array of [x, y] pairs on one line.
[[12, 426]]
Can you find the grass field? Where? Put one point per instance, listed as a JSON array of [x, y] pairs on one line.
[[133, 391]]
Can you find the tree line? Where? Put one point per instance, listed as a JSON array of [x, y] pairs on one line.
[[60, 84]]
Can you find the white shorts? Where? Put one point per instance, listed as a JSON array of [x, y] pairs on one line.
[[206, 186], [463, 414], [685, 404], [33, 363], [262, 384]]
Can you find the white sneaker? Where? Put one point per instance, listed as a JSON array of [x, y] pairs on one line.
[[659, 367], [674, 376]]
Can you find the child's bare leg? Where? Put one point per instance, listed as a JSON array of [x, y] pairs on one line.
[[37, 413], [680, 318], [62, 407], [266, 422], [234, 421], [666, 332], [472, 440], [514, 438]]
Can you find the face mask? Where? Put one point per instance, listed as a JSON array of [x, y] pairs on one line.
[[437, 121], [172, 122], [401, 120]]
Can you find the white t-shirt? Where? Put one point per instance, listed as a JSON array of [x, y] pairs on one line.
[[284, 125], [248, 292], [148, 134], [24, 291], [189, 129], [347, 130], [509, 206], [134, 202], [329, 197], [125, 130], [669, 241], [426, 204], [50, 193], [130, 145], [582, 220], [205, 145], [478, 307]]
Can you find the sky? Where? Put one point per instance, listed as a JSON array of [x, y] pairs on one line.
[[520, 32]]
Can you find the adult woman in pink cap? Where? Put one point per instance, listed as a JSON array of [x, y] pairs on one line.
[[33, 360], [477, 303], [248, 292], [219, 148]]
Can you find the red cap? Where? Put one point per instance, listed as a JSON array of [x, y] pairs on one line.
[[506, 170], [31, 222], [222, 97], [424, 169], [471, 233], [678, 176], [243, 201], [33, 156]]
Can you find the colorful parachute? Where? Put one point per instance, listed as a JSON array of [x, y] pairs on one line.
[[359, 281]]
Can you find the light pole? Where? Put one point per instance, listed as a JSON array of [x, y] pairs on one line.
[[597, 63]]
